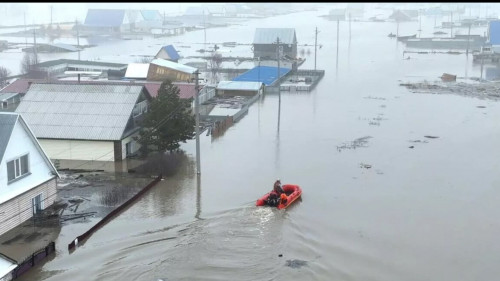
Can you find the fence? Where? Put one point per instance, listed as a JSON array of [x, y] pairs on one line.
[[102, 222], [33, 260]]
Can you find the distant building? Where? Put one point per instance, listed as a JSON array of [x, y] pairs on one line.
[[9, 101], [161, 70], [28, 178], [400, 16], [85, 121], [58, 67], [53, 48], [168, 53], [264, 43], [149, 20], [112, 20], [494, 35], [337, 14]]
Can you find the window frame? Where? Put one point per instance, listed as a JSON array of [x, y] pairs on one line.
[[18, 168]]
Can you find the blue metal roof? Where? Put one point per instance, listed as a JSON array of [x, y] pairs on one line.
[[264, 74], [151, 15], [172, 53], [104, 17], [495, 32]]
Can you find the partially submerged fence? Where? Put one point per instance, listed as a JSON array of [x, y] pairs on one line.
[[105, 220], [33, 260]]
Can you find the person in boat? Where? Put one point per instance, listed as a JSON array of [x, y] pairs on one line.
[[274, 197], [283, 198]]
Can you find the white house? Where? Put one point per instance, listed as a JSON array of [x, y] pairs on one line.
[[27, 177]]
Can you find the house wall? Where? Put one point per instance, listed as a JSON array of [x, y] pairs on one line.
[[20, 144], [269, 50], [135, 145], [159, 73], [78, 149], [19, 209]]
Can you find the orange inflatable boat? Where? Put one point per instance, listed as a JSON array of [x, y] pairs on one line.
[[292, 193]]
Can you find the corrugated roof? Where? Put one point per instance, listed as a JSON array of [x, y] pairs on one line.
[[224, 110], [104, 17], [186, 90], [137, 70], [269, 35], [174, 65], [264, 74], [171, 52], [81, 62], [239, 85], [79, 111], [6, 96], [7, 122], [151, 15]]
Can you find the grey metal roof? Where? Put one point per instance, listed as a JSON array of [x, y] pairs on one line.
[[84, 62], [7, 123], [269, 35], [6, 96], [79, 111]]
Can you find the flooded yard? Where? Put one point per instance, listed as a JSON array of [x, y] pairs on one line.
[[396, 185]]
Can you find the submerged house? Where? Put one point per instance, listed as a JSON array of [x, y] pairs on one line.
[[161, 70], [264, 42], [85, 121], [168, 53], [28, 178]]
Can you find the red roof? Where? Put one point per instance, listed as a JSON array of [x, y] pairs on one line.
[[186, 90], [20, 86]]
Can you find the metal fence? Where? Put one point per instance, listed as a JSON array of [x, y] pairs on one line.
[[35, 258]]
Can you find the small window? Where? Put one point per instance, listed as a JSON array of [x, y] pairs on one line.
[[17, 167], [4, 104]]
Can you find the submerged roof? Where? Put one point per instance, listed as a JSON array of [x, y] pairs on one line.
[[265, 74], [80, 62], [79, 111], [269, 35], [239, 85], [171, 52], [174, 66], [104, 17]]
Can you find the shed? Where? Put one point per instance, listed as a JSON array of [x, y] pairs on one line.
[[161, 70], [265, 74], [168, 53], [264, 42], [9, 101], [239, 88], [87, 121]]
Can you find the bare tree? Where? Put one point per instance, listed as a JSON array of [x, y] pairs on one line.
[[214, 64], [143, 59], [27, 62], [4, 73]]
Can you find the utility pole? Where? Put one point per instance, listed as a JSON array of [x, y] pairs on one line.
[[34, 45], [451, 24], [25, 31], [197, 113], [204, 31], [468, 42], [349, 28], [279, 85], [77, 38], [337, 43], [51, 8], [315, 47]]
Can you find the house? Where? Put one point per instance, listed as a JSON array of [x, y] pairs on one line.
[[27, 177], [52, 48], [7, 266], [264, 42], [161, 70], [58, 67], [168, 53], [85, 121], [400, 15], [239, 88], [110, 20], [9, 101], [151, 19], [186, 91]]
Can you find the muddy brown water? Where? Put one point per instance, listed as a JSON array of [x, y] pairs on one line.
[[427, 213]]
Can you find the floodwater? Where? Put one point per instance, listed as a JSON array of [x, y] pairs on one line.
[[376, 211]]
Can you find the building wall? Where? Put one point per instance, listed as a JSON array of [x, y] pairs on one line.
[[39, 170], [78, 149], [159, 73], [237, 93], [269, 50], [19, 209], [135, 144]]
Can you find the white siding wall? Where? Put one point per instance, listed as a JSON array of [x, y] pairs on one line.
[[20, 143], [18, 210], [135, 145], [78, 150]]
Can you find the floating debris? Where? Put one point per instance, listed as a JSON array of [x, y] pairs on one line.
[[366, 166], [431, 137], [484, 90], [359, 142], [296, 263]]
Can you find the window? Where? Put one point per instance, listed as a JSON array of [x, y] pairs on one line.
[[4, 104], [17, 168]]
